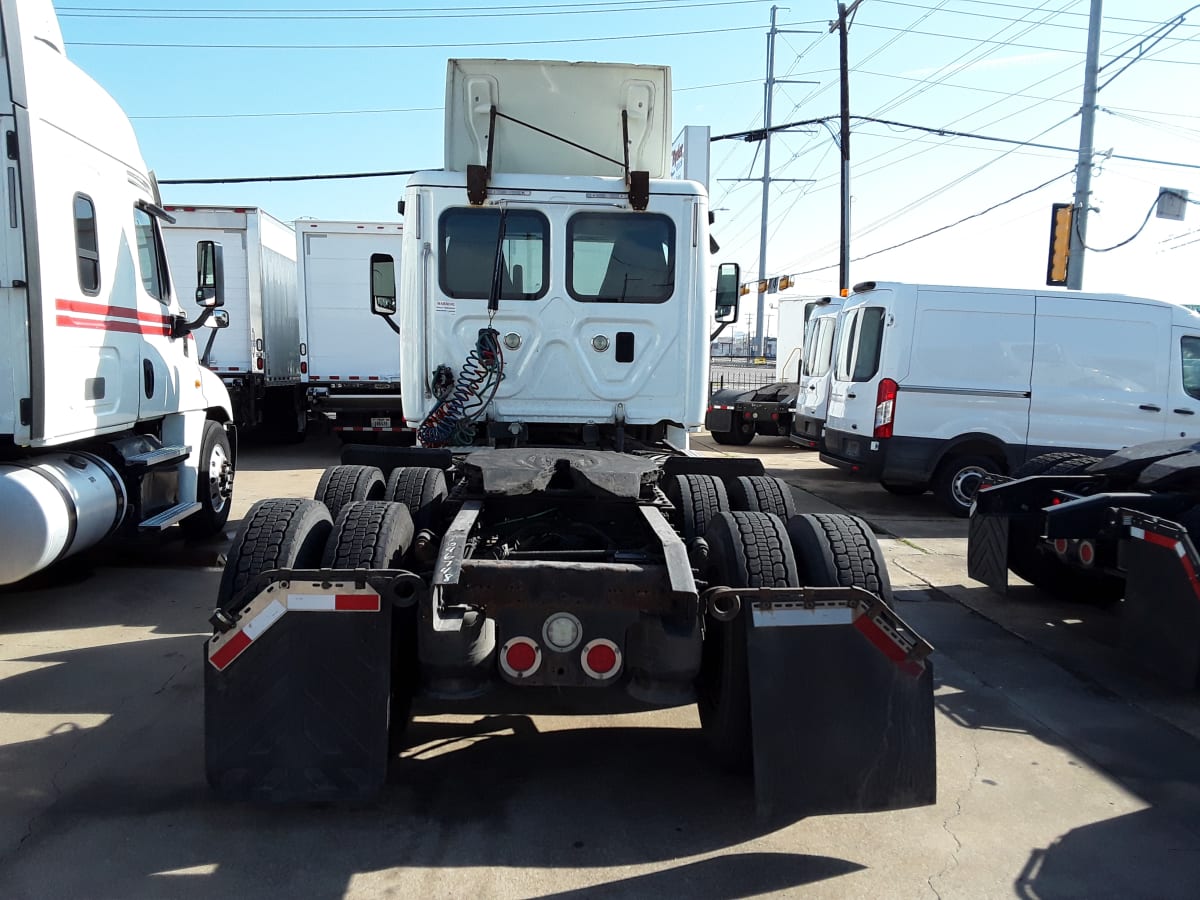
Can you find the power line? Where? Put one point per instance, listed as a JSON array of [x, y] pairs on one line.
[[247, 180], [921, 237], [424, 45], [1141, 228], [367, 15]]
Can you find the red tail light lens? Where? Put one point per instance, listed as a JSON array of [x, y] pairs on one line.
[[885, 408], [601, 659], [520, 657], [303, 368]]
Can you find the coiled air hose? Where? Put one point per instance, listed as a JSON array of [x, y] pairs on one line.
[[452, 421]]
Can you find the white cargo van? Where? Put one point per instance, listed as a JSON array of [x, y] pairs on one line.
[[932, 386], [258, 355], [351, 367], [812, 398]]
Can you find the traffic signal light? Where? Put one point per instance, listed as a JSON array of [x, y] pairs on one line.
[[1061, 226]]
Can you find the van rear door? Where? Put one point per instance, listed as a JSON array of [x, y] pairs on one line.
[[854, 386], [1099, 373]]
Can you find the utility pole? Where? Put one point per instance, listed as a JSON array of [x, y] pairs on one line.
[[1083, 168], [842, 25]]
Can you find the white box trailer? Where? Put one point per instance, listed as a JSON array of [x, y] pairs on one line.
[[108, 422], [258, 355], [350, 363]]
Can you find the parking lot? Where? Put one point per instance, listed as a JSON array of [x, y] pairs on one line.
[[1063, 770]]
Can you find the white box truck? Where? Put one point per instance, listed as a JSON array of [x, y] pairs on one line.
[[108, 422], [554, 540], [258, 355], [350, 363], [935, 385]]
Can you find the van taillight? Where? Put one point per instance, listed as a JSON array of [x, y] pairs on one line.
[[885, 408]]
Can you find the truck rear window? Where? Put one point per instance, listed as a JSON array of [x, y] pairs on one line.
[[467, 238], [620, 258], [818, 355]]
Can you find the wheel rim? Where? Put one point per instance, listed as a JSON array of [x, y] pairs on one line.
[[220, 478], [965, 485]]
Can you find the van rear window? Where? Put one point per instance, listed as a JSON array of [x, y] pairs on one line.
[[1190, 347], [859, 349]]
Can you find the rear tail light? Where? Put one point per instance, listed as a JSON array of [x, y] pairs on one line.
[[885, 408], [1087, 553], [601, 659], [520, 657], [303, 368], [1060, 546], [259, 363]]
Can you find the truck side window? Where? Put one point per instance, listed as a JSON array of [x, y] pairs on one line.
[[1190, 351], [467, 240], [87, 245], [151, 258], [620, 258]]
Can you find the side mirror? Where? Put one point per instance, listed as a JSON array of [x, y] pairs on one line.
[[219, 319], [383, 284], [729, 277], [210, 275]]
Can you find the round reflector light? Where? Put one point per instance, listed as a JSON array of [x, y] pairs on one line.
[[601, 659], [1087, 553], [562, 632], [1060, 546], [520, 657]]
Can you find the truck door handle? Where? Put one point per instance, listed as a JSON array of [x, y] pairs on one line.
[[1150, 407], [1186, 412], [851, 396]]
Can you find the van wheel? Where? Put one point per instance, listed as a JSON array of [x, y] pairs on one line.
[[958, 478], [740, 436], [904, 490], [214, 484], [746, 549]]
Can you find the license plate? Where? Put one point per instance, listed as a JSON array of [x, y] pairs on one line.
[[381, 423], [851, 449]]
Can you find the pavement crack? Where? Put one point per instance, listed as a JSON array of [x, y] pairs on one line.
[[958, 810], [172, 677]]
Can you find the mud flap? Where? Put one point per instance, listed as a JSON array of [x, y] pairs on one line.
[[296, 698], [987, 550], [841, 700], [1160, 618]]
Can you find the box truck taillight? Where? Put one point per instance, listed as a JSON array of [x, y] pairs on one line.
[[885, 408]]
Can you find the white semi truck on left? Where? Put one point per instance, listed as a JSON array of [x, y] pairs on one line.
[[108, 422]]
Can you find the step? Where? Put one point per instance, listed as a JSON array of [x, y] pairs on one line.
[[160, 457], [169, 516]]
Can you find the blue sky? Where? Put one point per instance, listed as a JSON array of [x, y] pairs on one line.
[[1007, 70]]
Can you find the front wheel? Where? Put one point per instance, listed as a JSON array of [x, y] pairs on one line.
[[214, 484]]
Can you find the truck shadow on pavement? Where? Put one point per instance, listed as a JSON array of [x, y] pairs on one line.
[[103, 795]]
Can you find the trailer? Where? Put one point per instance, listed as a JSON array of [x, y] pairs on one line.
[[1124, 527], [109, 425], [258, 355], [350, 363], [736, 414], [554, 539]]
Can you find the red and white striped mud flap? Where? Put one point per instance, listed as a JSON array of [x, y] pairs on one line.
[[1160, 618], [296, 695], [841, 701]]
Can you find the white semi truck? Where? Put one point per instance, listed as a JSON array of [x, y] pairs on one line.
[[258, 355], [351, 361], [108, 422], [554, 538]]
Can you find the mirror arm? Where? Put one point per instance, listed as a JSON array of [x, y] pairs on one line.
[[182, 327], [720, 328], [392, 324]]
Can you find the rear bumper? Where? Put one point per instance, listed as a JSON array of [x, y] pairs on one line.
[[899, 460], [806, 431], [768, 418]]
